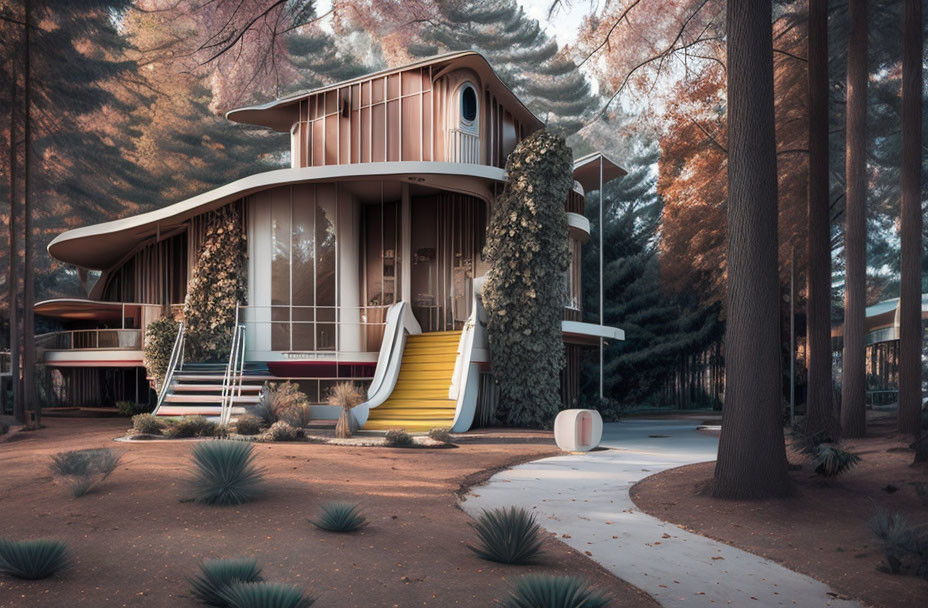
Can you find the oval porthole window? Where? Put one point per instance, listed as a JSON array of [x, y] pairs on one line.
[[468, 104]]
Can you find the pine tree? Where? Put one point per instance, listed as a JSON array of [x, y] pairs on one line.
[[524, 56], [660, 327], [80, 125]]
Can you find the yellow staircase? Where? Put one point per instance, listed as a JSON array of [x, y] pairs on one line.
[[419, 401]]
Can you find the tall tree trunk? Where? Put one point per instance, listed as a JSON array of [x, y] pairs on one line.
[[818, 314], [910, 292], [19, 412], [853, 375], [752, 455], [28, 264]]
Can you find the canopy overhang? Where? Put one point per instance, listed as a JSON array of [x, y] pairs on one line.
[[102, 246], [586, 170], [76, 309]]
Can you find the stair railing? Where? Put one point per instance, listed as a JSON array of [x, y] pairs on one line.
[[400, 322], [176, 361], [232, 379]]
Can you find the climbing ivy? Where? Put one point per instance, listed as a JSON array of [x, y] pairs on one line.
[[525, 290], [159, 343], [218, 283]]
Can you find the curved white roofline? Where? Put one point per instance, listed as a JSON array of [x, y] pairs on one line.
[[246, 114], [101, 245]]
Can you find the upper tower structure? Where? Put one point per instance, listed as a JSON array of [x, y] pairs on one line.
[[449, 108]]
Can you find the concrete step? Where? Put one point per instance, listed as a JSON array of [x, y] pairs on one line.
[[215, 388], [184, 377], [202, 410], [209, 398]]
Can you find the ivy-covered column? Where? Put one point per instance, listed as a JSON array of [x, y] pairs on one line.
[[218, 284], [525, 291]]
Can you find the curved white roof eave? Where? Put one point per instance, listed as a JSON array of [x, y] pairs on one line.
[[235, 114], [256, 183]]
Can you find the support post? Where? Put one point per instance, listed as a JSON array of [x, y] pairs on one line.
[[601, 367]]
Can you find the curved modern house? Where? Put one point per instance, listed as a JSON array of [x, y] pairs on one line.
[[364, 259]]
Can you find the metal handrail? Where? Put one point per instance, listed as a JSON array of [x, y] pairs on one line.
[[177, 356], [238, 379], [234, 371]]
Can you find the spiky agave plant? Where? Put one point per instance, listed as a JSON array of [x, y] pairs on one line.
[[32, 559], [217, 574], [831, 460], [225, 473], [545, 591], [265, 595], [507, 536], [340, 517]]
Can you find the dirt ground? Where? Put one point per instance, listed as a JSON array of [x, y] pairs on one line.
[[823, 529], [133, 542]]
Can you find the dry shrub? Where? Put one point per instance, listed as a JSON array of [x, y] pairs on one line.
[[345, 395], [398, 438], [283, 401]]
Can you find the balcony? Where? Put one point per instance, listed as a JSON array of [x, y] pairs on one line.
[[91, 348], [90, 339]]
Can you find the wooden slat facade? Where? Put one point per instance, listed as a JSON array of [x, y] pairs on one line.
[[409, 115]]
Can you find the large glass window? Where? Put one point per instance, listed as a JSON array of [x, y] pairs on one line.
[[303, 269]]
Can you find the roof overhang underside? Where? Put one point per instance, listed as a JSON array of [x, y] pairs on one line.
[[586, 170], [280, 114], [102, 246], [77, 309], [880, 316]]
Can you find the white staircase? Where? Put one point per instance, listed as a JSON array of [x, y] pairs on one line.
[[197, 390]]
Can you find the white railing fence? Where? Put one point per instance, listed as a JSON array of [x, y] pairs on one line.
[[314, 330], [463, 147], [90, 339]]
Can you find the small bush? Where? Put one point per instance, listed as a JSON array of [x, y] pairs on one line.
[[147, 424], [340, 517], [507, 536], [248, 425], [806, 441], [4, 428], [345, 395], [442, 435], [283, 401], [397, 438], [217, 574], [265, 595], [903, 546], [32, 559], [545, 591], [282, 431], [830, 460], [225, 473], [126, 408], [159, 344], [81, 470], [192, 426]]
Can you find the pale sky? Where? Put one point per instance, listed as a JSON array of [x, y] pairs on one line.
[[566, 19]]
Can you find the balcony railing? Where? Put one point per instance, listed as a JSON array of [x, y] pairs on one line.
[[302, 330], [91, 339], [463, 147]]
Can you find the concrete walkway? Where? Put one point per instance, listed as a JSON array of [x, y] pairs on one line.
[[584, 500]]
